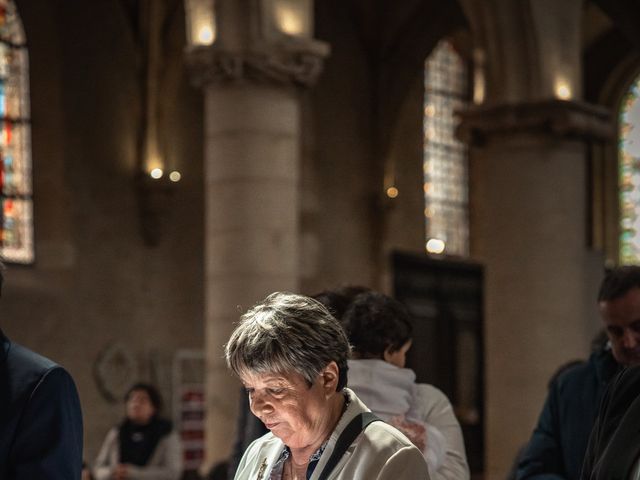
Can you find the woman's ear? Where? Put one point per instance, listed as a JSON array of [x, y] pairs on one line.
[[329, 377]]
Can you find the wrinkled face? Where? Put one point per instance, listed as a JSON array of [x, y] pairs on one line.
[[139, 407], [294, 412], [622, 322], [398, 357]]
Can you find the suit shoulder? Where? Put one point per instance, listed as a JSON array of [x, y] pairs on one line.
[[576, 375], [22, 359], [29, 371]]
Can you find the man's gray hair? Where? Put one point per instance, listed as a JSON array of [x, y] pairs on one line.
[[288, 333]]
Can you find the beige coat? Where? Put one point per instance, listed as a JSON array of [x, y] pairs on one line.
[[164, 464], [380, 453]]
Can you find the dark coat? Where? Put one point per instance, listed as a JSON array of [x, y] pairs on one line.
[[40, 417], [614, 445], [559, 441]]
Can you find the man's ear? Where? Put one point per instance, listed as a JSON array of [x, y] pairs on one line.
[[329, 377]]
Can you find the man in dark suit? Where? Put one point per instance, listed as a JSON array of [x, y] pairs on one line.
[[614, 445], [40, 417]]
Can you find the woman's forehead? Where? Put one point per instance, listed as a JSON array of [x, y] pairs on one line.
[[270, 378]]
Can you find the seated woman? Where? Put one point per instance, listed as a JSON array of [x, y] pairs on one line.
[[291, 355], [143, 446], [379, 329]]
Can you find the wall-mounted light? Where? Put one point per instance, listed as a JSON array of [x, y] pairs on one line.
[[201, 24], [435, 245], [562, 89], [479, 77], [392, 192], [287, 18], [155, 190]]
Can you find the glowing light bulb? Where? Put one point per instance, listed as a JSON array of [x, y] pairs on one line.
[[435, 245], [563, 89], [175, 176], [205, 35], [392, 192], [156, 173]]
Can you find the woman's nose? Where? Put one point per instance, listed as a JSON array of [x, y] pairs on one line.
[[260, 406]]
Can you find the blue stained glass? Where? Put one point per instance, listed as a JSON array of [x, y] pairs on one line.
[[3, 100]]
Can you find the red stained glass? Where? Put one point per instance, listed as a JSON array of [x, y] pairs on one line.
[[16, 224]]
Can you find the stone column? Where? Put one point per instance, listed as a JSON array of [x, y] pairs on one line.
[[529, 201], [252, 156], [529, 228]]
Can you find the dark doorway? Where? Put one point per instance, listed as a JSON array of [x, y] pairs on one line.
[[445, 300]]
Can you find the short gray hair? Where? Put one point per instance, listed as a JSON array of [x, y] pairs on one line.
[[288, 333]]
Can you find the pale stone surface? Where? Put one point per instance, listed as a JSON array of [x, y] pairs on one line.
[[535, 279], [252, 154], [251, 107], [252, 164], [253, 199]]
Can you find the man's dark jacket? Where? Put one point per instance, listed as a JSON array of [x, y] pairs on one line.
[[559, 441], [40, 418], [614, 446]]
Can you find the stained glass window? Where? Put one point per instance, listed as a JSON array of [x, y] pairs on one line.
[[445, 157], [16, 220]]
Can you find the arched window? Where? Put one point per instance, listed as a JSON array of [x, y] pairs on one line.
[[445, 158], [16, 219], [629, 175]]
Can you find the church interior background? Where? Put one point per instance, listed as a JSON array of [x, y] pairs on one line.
[[166, 164]]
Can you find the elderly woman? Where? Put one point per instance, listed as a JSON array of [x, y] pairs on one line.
[[291, 355]]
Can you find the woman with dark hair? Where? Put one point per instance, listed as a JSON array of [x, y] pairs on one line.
[[380, 330], [144, 445]]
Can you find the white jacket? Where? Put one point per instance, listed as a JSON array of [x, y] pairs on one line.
[[379, 453], [390, 391], [164, 464]]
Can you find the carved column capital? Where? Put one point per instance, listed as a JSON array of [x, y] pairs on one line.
[[288, 63], [557, 118]]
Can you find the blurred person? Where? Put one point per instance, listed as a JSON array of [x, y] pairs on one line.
[[337, 300], [380, 331], [144, 445], [557, 447], [40, 416], [291, 355], [596, 343]]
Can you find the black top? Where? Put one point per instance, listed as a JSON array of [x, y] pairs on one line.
[[614, 446], [138, 442]]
